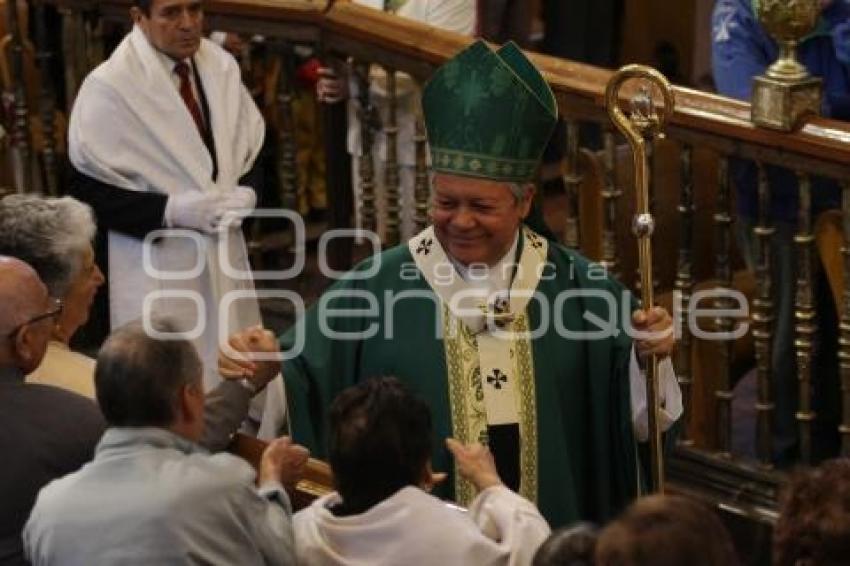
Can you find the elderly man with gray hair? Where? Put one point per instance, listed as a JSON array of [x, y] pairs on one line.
[[152, 495], [45, 432]]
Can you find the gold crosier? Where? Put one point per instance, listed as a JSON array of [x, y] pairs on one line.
[[642, 125]]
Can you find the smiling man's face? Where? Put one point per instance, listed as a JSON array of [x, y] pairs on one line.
[[476, 220]]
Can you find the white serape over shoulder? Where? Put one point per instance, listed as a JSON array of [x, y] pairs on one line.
[[131, 129]]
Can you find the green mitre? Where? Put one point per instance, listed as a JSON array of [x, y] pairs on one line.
[[488, 114]]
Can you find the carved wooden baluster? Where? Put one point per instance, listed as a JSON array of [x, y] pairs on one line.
[[20, 135], [391, 175], [287, 166], [763, 324], [610, 194], [47, 103], [572, 182], [422, 188], [72, 42], [95, 48], [366, 170], [723, 274], [804, 316], [844, 326], [684, 284]]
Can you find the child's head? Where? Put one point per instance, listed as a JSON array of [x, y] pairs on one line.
[[380, 441]]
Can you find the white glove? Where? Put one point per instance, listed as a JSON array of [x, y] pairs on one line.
[[196, 210], [237, 204]]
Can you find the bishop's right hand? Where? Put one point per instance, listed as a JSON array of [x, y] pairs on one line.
[[234, 361]]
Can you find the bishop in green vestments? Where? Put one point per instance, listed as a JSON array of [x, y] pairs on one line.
[[513, 340]]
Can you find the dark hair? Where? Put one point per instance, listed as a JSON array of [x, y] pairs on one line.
[[144, 6], [138, 378], [568, 546], [666, 530], [814, 517], [380, 442]]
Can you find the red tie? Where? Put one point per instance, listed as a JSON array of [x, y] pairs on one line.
[[182, 70]]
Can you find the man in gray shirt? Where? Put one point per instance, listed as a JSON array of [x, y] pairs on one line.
[[152, 495]]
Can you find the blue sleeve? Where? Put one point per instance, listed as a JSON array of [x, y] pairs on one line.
[[839, 102], [739, 48], [837, 106], [841, 41]]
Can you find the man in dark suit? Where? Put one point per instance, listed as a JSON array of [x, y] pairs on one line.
[[45, 432]]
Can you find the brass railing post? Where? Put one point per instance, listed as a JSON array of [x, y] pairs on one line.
[[610, 195], [572, 184], [763, 323], [422, 186], [287, 158], [723, 275], [844, 325], [366, 165], [392, 222], [47, 103], [72, 51], [20, 135], [804, 316], [684, 284]]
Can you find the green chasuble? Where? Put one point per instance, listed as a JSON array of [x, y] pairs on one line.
[[383, 318]]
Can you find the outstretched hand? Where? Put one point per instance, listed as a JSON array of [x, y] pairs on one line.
[[475, 463], [234, 361], [283, 461]]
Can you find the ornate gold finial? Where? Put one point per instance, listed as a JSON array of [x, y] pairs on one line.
[[786, 92]]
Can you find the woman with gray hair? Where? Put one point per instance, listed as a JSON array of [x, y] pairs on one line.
[[54, 236]]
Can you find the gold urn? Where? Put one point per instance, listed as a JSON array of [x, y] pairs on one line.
[[786, 92]]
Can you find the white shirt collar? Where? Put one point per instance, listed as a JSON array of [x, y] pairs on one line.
[[168, 63]]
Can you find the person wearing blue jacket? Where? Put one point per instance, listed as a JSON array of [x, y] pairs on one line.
[[741, 50]]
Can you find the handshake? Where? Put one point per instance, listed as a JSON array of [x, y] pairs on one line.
[[210, 212]]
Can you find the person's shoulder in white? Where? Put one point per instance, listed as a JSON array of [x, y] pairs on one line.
[[457, 16], [414, 527]]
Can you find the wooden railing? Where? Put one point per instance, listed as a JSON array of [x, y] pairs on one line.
[[317, 479], [693, 195]]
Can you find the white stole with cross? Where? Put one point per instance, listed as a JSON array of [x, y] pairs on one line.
[[488, 350]]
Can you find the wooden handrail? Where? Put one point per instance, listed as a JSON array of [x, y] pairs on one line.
[[317, 480], [701, 118]]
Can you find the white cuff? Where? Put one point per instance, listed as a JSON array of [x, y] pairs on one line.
[[669, 392], [274, 491]]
